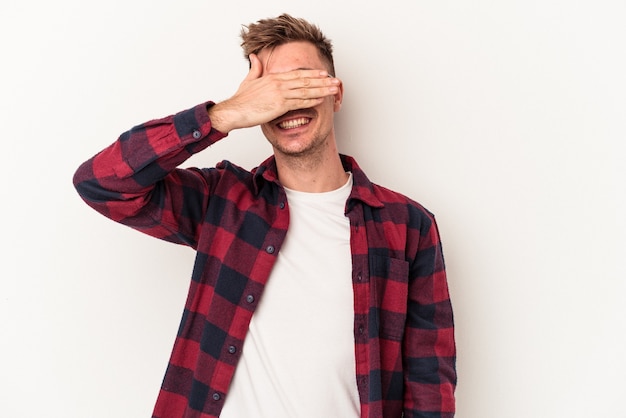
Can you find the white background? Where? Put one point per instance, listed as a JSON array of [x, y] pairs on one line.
[[504, 118]]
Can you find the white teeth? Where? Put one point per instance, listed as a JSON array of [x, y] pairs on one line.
[[293, 123]]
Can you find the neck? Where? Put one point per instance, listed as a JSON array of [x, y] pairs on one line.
[[312, 175]]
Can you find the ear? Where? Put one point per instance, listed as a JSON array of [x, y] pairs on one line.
[[338, 98]]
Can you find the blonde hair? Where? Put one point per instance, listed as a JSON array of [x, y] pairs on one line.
[[270, 33]]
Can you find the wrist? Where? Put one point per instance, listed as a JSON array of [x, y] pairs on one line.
[[220, 118]]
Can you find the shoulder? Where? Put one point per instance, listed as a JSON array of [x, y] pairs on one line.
[[402, 209], [225, 178], [388, 196], [259, 182]]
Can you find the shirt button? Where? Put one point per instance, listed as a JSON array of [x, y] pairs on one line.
[[359, 277], [282, 205], [232, 349], [249, 298], [270, 249], [361, 329], [196, 134], [216, 396]]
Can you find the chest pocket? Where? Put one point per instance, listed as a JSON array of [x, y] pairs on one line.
[[389, 279]]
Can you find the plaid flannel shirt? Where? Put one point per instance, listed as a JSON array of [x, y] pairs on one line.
[[236, 220]]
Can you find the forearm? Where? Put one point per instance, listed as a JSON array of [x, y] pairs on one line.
[[119, 180]]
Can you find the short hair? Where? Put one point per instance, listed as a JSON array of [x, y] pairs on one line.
[[273, 32]]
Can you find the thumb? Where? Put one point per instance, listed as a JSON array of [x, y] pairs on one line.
[[256, 68]]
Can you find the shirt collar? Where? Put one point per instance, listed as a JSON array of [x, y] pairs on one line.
[[362, 188]]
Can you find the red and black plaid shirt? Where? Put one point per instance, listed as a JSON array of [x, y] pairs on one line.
[[236, 220]]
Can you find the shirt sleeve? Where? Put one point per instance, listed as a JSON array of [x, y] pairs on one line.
[[429, 345], [135, 181]]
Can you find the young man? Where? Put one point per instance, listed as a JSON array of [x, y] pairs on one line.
[[315, 293]]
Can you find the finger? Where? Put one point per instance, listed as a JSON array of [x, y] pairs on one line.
[[316, 84], [256, 68], [311, 93], [302, 74], [311, 87]]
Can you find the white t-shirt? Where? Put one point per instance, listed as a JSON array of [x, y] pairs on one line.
[[298, 357]]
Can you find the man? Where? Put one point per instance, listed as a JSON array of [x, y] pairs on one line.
[[315, 293]]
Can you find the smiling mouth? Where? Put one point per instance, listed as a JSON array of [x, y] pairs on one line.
[[294, 123]]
